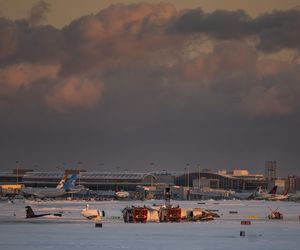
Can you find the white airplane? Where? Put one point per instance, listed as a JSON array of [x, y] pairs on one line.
[[259, 194], [279, 197], [62, 182], [92, 214], [271, 196], [122, 195], [65, 186], [243, 195]]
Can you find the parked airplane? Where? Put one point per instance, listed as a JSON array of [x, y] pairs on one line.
[[31, 214], [71, 187], [92, 214], [121, 194], [279, 197], [259, 194], [65, 186], [243, 195], [62, 182]]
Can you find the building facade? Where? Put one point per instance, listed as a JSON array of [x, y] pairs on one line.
[[225, 181], [92, 180], [293, 183], [271, 170]]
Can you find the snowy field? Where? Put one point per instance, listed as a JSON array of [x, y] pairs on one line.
[[74, 232]]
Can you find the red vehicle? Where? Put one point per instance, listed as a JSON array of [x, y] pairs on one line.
[[135, 214], [140, 214], [170, 214], [174, 214]]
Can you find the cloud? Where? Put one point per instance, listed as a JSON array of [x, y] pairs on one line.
[[122, 44], [278, 30], [273, 31], [237, 77], [8, 43], [220, 24], [266, 103], [120, 36], [74, 92], [37, 13], [20, 42], [151, 79], [274, 94], [17, 76], [235, 57]]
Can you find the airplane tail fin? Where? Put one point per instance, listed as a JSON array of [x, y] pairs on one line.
[[273, 190], [70, 183], [286, 191], [62, 182], [259, 190], [29, 212]]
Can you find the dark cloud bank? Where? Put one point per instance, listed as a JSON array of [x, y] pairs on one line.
[[145, 83]]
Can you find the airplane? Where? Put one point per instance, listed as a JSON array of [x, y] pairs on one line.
[[259, 194], [243, 195], [247, 195], [31, 214], [121, 194], [203, 215], [65, 186], [71, 187], [92, 214], [62, 182], [279, 197], [271, 196]]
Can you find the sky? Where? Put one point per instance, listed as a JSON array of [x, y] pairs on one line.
[[140, 86]]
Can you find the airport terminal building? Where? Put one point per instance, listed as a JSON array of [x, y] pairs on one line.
[[92, 180], [234, 180]]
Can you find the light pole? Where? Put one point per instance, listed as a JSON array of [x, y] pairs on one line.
[[199, 176], [17, 165], [188, 174], [79, 165], [151, 172], [185, 177]]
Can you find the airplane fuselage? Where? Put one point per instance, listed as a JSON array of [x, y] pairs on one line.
[[44, 192], [122, 195]]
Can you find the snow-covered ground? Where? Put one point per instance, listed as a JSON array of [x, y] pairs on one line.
[[224, 233]]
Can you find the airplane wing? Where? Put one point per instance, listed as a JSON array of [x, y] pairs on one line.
[[94, 218]]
